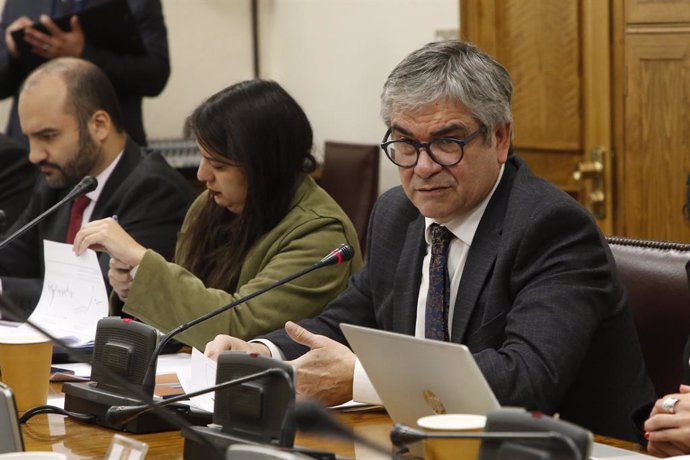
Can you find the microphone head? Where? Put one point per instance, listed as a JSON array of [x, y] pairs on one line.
[[87, 184], [346, 252], [312, 417], [341, 254], [402, 435]]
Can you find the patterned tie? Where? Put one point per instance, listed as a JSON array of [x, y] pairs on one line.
[[438, 297], [75, 216]]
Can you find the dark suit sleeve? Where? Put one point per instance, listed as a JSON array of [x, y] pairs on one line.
[[559, 294], [17, 180], [141, 75], [11, 72], [21, 267]]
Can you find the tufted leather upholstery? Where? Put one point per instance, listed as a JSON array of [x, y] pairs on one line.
[[351, 176], [654, 274]]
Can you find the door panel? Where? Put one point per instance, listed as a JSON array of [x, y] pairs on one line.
[[656, 11], [657, 136], [561, 76]]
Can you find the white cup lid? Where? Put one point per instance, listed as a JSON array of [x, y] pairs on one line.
[[18, 339], [34, 456], [452, 422]]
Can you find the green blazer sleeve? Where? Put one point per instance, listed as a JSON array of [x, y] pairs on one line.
[[166, 295]]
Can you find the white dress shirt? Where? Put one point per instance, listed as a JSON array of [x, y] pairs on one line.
[[93, 195]]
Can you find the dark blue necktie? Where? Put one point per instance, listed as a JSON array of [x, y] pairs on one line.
[[438, 297]]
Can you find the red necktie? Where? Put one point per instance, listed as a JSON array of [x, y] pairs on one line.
[[75, 216]]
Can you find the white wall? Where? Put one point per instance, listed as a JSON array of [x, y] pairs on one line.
[[331, 55], [210, 48]]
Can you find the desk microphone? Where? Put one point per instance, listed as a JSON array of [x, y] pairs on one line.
[[120, 415], [127, 349], [87, 184], [341, 254], [11, 311], [512, 433]]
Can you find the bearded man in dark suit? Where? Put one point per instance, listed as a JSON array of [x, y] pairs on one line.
[[70, 114], [530, 283]]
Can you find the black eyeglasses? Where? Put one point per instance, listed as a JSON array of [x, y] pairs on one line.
[[446, 151]]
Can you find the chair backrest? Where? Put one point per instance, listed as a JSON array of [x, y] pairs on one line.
[[654, 274], [351, 176]]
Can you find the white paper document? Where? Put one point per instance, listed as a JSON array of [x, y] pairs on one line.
[[201, 374], [74, 296]]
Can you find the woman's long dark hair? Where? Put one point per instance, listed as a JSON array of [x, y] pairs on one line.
[[257, 125]]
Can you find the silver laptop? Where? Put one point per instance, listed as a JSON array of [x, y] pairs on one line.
[[415, 377]]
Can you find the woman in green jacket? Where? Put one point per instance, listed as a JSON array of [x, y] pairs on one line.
[[261, 218]]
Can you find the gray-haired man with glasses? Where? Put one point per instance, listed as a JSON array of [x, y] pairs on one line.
[[473, 248]]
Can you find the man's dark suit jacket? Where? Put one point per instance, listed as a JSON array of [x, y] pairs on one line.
[[133, 76], [17, 180], [538, 303], [149, 197]]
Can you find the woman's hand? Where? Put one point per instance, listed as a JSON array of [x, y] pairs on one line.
[[120, 278], [668, 427], [107, 235]]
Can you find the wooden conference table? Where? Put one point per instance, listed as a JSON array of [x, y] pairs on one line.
[[79, 441]]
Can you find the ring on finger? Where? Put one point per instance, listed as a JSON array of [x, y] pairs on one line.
[[669, 405]]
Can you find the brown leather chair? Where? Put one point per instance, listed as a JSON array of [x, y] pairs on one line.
[[654, 275], [350, 175]]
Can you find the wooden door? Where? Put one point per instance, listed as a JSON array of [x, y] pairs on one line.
[[562, 94], [655, 118]]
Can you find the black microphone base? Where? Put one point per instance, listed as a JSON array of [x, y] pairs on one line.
[[197, 450], [85, 398]]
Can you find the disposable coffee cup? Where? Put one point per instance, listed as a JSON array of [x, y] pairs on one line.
[[452, 449], [25, 368]]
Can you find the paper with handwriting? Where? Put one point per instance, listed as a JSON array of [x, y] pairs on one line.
[[74, 297]]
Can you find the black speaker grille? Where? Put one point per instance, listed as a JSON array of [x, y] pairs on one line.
[[124, 347]]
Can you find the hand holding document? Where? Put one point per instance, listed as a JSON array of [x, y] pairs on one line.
[[73, 298]]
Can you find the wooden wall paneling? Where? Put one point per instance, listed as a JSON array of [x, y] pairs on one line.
[[618, 92], [595, 20], [539, 45], [478, 23], [657, 136], [537, 41], [657, 11]]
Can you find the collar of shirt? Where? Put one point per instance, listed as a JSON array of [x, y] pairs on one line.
[[102, 178]]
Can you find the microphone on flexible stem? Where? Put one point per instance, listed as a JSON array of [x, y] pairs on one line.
[[87, 184], [312, 417], [128, 347], [119, 415], [514, 433], [13, 312], [341, 254]]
